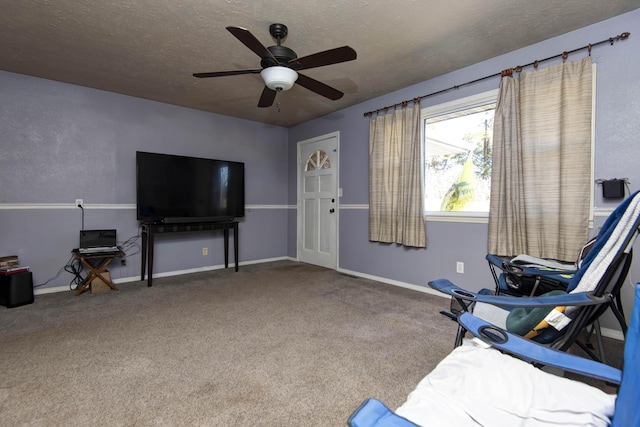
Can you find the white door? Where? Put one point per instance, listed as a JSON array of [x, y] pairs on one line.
[[317, 201]]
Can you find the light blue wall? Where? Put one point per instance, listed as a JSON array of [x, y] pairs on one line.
[[60, 142], [617, 155]]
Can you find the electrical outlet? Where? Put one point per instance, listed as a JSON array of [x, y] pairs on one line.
[[80, 203], [205, 251], [460, 267]]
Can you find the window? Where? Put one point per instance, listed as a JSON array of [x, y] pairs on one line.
[[457, 140], [318, 160]]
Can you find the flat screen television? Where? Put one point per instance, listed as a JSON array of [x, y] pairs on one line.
[[173, 189]]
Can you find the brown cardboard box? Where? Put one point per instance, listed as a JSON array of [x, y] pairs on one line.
[[99, 285]]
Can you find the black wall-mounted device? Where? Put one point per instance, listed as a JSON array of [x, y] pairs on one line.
[[613, 188]]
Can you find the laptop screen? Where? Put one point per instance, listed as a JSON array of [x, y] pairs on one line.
[[97, 238]]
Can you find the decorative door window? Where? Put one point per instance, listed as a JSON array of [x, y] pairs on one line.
[[318, 160]]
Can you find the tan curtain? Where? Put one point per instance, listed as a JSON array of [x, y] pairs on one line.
[[541, 173], [395, 178]]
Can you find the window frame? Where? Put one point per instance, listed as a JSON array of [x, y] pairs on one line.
[[480, 99], [453, 106]]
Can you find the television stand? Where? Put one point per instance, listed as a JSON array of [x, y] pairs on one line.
[[148, 237]]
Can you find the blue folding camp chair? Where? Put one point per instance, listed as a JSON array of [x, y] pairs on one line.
[[601, 276], [524, 275], [373, 413]]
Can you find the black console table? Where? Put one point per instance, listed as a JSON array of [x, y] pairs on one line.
[[149, 231]]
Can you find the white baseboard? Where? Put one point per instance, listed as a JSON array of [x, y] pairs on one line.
[[165, 274], [392, 282], [612, 333], [53, 290], [609, 333], [201, 269], [606, 332]]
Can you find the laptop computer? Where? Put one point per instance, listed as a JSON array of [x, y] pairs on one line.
[[98, 241]]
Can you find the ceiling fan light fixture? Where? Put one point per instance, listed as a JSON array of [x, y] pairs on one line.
[[279, 78]]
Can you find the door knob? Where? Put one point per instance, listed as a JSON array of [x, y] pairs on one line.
[[332, 210]]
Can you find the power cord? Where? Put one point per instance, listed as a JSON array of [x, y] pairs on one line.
[[82, 209], [131, 246], [73, 266]]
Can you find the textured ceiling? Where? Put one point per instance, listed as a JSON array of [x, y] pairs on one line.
[[150, 48]]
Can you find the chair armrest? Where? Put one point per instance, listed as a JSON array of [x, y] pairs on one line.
[[533, 352], [574, 299], [496, 260], [373, 413]]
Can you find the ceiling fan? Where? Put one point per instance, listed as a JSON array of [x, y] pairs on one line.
[[280, 65]]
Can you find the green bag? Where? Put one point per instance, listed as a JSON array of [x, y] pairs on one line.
[[521, 320]]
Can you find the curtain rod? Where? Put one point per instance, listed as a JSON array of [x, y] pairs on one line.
[[503, 73]]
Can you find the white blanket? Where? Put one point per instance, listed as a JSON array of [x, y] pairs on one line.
[[479, 386]]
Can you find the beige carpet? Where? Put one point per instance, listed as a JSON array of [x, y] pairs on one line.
[[277, 344]]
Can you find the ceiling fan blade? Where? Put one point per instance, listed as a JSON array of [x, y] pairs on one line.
[[251, 42], [267, 97], [225, 73], [318, 87], [327, 57]]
